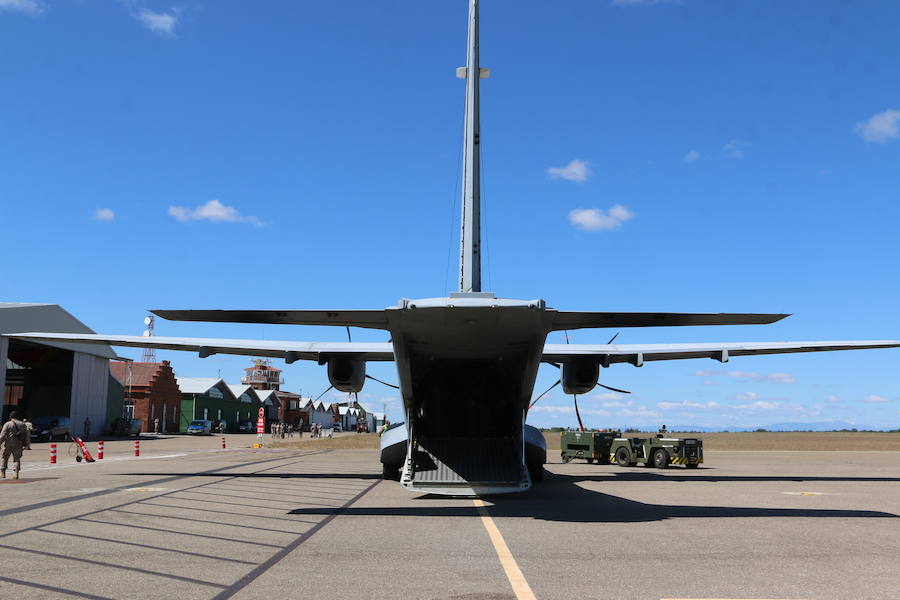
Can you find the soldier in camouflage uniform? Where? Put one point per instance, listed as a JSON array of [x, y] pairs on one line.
[[14, 437]]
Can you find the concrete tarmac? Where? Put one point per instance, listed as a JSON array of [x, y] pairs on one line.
[[241, 523]]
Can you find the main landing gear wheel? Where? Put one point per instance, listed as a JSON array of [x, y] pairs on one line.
[[536, 471], [623, 457], [660, 458], [390, 472]]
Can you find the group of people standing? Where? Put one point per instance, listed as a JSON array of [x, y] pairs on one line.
[[283, 430]]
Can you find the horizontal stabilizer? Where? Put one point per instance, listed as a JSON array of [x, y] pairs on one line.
[[579, 320], [372, 319], [637, 354], [290, 351]]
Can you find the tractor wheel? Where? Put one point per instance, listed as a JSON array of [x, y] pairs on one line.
[[623, 457], [589, 460], [692, 466], [565, 458], [660, 458], [390, 472]]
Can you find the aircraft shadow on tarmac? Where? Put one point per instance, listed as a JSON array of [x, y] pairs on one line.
[[263, 475], [559, 498]]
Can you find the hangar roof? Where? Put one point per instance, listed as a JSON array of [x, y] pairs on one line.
[[23, 317]]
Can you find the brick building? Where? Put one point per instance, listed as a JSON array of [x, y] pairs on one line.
[[151, 392]]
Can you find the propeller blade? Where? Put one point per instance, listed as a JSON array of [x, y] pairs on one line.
[[348, 334], [614, 389], [558, 381], [330, 387], [577, 414], [613, 338], [396, 387]]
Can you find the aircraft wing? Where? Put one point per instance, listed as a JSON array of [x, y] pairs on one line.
[[637, 354], [290, 351], [579, 319], [373, 319]]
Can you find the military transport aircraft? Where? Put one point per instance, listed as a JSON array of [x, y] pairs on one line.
[[466, 363]]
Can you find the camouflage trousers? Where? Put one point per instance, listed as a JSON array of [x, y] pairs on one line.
[[16, 452]]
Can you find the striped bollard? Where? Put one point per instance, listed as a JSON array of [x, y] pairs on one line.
[[137, 447], [223, 442], [52, 454], [100, 450]]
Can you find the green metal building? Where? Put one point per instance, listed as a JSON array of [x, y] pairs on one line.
[[211, 399]]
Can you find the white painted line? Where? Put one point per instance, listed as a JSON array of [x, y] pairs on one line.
[[513, 573]]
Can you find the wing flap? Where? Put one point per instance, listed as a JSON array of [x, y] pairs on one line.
[[579, 320], [290, 351], [638, 353], [372, 319]]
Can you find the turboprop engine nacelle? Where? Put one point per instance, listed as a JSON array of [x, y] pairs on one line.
[[580, 376], [346, 374]]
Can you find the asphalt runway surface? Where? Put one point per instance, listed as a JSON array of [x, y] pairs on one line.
[[188, 521]]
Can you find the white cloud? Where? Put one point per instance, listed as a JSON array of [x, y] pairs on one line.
[[761, 405], [29, 7], [605, 396], [874, 398], [212, 211], [880, 128], [685, 404], [569, 410], [750, 376], [104, 214], [691, 156], [734, 149], [640, 411], [160, 23], [578, 171], [595, 219], [614, 404], [747, 396], [832, 398]]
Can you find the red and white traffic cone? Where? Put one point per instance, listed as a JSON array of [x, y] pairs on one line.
[[137, 447], [100, 450], [223, 442], [52, 454]]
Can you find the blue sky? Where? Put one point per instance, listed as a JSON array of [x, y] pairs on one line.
[[671, 156]]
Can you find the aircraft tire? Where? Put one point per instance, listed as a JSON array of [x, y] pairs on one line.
[[536, 471], [390, 472], [660, 459], [623, 457]]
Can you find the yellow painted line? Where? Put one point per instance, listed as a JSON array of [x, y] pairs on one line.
[[513, 573]]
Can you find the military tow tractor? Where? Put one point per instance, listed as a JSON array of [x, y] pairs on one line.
[[658, 451], [587, 445]]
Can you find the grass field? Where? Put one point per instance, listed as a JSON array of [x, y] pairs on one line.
[[788, 440]]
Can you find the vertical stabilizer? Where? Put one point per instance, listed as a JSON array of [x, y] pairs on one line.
[[470, 226]]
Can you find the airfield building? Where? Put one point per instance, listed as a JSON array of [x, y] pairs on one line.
[[52, 379], [150, 391]]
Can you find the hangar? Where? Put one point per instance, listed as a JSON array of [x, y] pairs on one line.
[[52, 379]]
